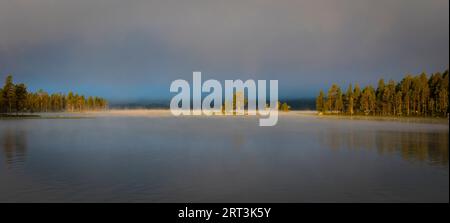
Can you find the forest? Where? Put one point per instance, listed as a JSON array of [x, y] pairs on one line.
[[413, 96], [14, 98]]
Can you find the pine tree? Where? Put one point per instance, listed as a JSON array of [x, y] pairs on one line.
[[90, 103], [416, 96], [70, 102], [9, 94], [398, 103], [406, 85], [21, 97], [424, 93], [332, 98], [389, 98], [380, 105], [365, 101], [339, 106], [443, 95], [357, 98], [319, 102], [349, 99]]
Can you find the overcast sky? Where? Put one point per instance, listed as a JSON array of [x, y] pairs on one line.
[[133, 49]]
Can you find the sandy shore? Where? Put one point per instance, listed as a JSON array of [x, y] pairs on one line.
[[166, 112], [132, 112]]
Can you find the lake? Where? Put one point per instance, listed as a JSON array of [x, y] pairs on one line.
[[158, 158]]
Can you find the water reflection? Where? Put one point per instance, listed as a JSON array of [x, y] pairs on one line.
[[14, 146], [419, 146]]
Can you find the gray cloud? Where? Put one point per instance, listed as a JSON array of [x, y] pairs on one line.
[[136, 48]]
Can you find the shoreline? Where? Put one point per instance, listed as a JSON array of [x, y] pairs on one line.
[[412, 119], [167, 113]]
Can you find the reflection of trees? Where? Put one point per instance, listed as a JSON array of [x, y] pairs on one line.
[[412, 146], [14, 145]]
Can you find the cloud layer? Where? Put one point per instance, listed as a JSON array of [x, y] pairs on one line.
[[135, 48]]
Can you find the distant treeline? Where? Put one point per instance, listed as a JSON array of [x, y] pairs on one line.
[[302, 103], [412, 96], [16, 98]]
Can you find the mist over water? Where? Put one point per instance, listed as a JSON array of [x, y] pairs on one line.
[[159, 158]]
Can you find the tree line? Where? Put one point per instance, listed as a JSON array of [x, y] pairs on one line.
[[16, 98], [413, 96]]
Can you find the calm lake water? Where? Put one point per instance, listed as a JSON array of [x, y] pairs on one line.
[[222, 159]]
